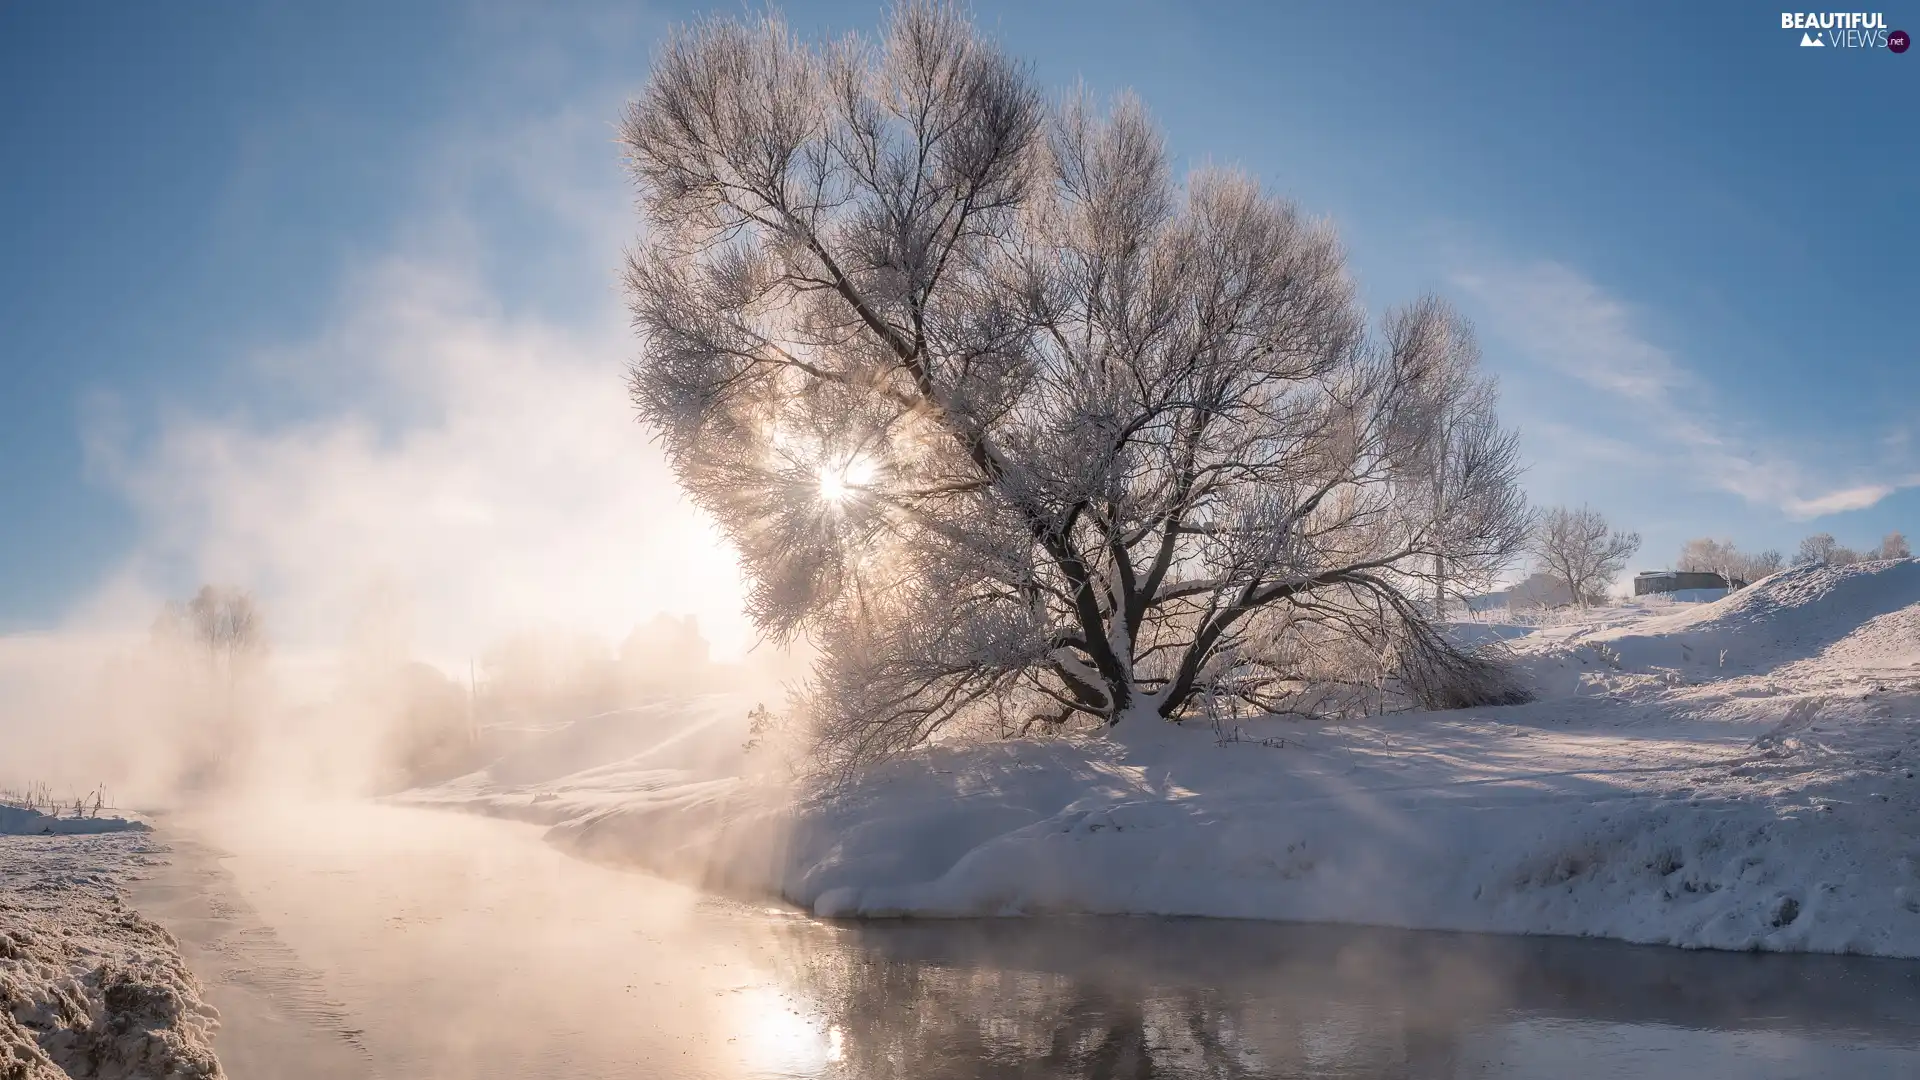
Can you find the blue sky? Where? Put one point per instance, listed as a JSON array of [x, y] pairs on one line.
[[269, 274]]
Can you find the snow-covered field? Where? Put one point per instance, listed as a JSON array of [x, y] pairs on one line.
[[1734, 775], [88, 986]]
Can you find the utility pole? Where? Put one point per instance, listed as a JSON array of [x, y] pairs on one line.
[[473, 706]]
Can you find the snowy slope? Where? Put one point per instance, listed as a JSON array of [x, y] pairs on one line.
[[1658, 791], [1795, 615], [603, 760]]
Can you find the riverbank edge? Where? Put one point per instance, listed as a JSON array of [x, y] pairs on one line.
[[91, 986]]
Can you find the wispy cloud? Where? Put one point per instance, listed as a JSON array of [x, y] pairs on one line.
[[1556, 317]]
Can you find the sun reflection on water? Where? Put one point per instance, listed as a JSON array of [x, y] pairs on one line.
[[781, 1035]]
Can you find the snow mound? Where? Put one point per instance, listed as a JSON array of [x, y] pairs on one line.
[[1889, 643], [1794, 615]]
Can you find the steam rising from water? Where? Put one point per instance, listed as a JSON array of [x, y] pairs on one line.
[[461, 503]]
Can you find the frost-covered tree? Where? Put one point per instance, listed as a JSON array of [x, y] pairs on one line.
[[1580, 549], [1707, 555], [227, 624], [1894, 546], [1764, 564], [1821, 549], [221, 635], [1013, 423], [1815, 549], [1458, 415], [222, 625]]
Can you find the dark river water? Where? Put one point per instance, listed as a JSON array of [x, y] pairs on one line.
[[357, 941]]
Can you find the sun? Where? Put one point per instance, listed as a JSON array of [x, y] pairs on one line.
[[833, 486], [839, 485]]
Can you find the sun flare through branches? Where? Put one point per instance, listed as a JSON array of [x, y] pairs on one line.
[[837, 485]]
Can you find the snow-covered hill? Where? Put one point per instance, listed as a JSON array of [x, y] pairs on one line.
[[1824, 613], [1734, 775]]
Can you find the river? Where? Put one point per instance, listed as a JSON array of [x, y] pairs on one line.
[[352, 940]]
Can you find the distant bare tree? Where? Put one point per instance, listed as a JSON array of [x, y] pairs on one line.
[[1582, 550], [224, 628], [1765, 564], [1821, 549], [1894, 546], [1815, 549], [1707, 555], [226, 623], [1012, 422]]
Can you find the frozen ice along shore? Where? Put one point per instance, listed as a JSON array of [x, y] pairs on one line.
[[88, 986], [1734, 775]]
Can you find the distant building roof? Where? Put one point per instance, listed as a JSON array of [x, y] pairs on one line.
[[1666, 581]]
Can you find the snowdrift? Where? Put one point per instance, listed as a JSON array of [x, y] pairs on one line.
[[1761, 801], [88, 986], [19, 821]]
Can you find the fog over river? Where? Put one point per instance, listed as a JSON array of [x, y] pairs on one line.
[[353, 940]]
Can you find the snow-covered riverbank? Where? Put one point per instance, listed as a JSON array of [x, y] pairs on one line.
[[89, 987], [20, 821], [1735, 775]]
